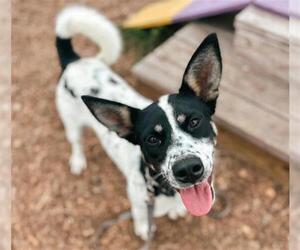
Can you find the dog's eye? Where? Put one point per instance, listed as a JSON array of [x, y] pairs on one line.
[[153, 140], [194, 123]]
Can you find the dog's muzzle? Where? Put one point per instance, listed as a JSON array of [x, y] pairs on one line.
[[198, 194]]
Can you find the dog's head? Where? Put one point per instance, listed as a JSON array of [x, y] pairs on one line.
[[176, 134]]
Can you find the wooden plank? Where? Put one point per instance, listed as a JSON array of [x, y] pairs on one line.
[[294, 92], [257, 125], [294, 31], [262, 38], [164, 69], [266, 23], [263, 55], [260, 105], [251, 31]]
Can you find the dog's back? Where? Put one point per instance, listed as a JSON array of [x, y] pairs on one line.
[[92, 76]]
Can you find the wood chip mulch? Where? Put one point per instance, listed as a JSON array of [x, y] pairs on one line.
[[52, 209]]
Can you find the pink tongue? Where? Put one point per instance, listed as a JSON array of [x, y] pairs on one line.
[[197, 199]]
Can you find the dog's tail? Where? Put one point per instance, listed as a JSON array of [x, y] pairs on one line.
[[90, 23]]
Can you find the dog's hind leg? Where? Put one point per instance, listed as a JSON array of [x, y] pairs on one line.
[[69, 110], [77, 160]]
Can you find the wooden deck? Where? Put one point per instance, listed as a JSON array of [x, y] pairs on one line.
[[251, 104], [262, 38]]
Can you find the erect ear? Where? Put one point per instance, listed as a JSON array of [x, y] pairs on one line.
[[115, 116], [203, 73]]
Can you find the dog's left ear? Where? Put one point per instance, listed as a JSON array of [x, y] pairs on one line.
[[117, 117], [203, 73]]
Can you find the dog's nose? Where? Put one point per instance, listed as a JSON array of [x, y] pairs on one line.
[[188, 170]]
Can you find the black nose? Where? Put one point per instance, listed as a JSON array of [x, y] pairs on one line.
[[188, 170]]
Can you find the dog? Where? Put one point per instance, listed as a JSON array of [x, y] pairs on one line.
[[172, 139]]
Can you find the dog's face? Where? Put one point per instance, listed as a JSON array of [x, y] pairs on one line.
[[176, 134]]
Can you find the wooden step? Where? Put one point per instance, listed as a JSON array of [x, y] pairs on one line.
[[294, 93], [262, 38], [251, 104]]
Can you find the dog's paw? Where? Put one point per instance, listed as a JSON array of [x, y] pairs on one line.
[[77, 164], [141, 230], [175, 214]]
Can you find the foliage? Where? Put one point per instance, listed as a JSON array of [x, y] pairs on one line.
[[145, 40]]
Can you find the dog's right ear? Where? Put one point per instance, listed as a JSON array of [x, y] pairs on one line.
[[115, 116], [203, 72]]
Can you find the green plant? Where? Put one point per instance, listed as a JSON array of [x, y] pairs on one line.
[[145, 40]]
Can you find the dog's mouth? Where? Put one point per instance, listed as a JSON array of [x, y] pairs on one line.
[[198, 199]]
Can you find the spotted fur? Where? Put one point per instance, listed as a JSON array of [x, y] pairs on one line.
[[131, 128], [184, 145]]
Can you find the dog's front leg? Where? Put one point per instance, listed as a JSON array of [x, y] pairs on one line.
[[137, 194], [140, 220]]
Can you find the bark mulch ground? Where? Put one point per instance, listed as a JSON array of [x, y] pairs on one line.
[[53, 209]]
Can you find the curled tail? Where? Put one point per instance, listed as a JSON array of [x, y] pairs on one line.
[[90, 23]]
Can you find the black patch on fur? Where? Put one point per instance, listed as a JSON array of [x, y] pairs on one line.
[[71, 91], [162, 186], [144, 128], [113, 81], [192, 107], [65, 52], [95, 91]]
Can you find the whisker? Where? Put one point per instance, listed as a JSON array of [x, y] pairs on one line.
[[157, 176]]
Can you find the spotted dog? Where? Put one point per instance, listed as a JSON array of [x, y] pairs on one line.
[[171, 139]]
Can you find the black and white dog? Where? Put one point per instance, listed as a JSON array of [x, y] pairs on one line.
[[172, 139]]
